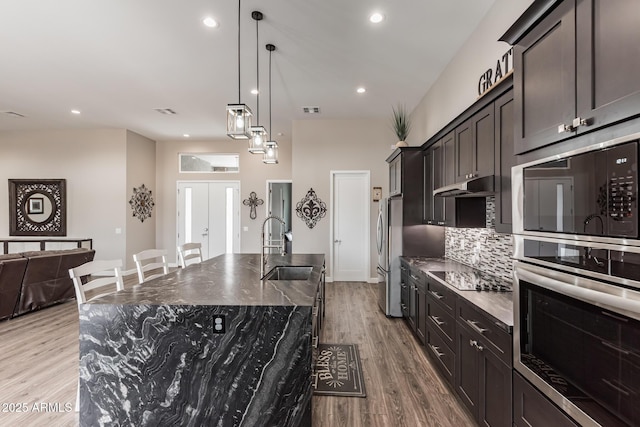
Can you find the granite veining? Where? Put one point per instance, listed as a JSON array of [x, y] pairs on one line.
[[150, 355], [497, 304]]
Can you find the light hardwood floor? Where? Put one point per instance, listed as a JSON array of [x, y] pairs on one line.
[[39, 365]]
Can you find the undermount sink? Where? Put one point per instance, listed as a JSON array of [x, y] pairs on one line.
[[293, 272]]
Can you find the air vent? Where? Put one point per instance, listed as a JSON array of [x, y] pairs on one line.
[[168, 111], [12, 114], [311, 110]]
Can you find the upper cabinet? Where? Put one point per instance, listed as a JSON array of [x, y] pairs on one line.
[[575, 70], [474, 141], [504, 160], [395, 176]]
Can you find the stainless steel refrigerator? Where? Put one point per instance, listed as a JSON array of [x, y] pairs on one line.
[[389, 245]]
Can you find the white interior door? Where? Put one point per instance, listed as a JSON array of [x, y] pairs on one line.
[[209, 213], [350, 215]]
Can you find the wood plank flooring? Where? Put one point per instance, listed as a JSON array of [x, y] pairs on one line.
[[403, 388], [39, 365]]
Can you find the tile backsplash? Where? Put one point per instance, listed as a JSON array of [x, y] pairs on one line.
[[482, 248]]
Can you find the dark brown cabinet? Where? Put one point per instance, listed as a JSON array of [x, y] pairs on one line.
[[395, 176], [441, 327], [474, 145], [483, 367], [438, 173], [575, 71], [417, 303], [532, 409], [404, 289], [504, 161]]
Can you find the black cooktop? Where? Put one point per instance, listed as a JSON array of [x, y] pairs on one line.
[[473, 281]]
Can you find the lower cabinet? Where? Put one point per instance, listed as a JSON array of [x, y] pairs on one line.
[[531, 408]]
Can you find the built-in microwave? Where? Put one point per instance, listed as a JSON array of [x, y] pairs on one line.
[[586, 194]]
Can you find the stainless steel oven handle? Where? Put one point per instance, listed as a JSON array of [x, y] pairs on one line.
[[605, 300]]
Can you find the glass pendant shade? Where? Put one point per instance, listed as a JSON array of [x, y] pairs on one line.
[[271, 153], [259, 138], [239, 121]]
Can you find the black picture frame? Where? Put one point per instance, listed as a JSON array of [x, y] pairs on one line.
[[30, 197]]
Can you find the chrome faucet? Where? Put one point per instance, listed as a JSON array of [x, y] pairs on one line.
[[268, 244]]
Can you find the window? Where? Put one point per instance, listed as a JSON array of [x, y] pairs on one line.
[[209, 163]]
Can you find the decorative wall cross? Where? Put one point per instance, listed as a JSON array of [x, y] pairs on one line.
[[252, 202], [311, 209]]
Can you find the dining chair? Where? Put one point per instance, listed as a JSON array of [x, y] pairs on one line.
[[96, 274], [148, 262], [189, 253]]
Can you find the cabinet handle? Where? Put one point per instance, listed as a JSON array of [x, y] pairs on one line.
[[475, 326], [414, 277], [474, 343], [436, 294], [579, 121], [565, 128], [403, 307], [436, 349], [440, 222], [314, 342], [437, 320], [315, 381], [403, 286]]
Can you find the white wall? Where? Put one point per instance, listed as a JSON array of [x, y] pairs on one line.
[[457, 87], [321, 146], [141, 169], [253, 175], [93, 162]]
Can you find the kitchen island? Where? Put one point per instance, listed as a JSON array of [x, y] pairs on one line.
[[210, 344]]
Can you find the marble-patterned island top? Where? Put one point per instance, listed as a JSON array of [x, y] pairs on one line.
[[208, 345], [230, 279]]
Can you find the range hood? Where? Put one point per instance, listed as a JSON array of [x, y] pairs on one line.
[[474, 187]]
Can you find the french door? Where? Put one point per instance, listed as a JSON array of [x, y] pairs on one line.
[[209, 213]]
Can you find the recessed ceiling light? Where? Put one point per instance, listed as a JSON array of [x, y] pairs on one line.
[[361, 90], [186, 135], [254, 91], [210, 22], [75, 111], [376, 17]]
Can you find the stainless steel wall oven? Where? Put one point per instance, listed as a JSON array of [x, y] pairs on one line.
[[577, 281]]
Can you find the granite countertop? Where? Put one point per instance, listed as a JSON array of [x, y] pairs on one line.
[[497, 304], [230, 279]]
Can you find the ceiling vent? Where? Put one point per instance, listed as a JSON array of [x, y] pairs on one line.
[[12, 114], [167, 111], [311, 110]]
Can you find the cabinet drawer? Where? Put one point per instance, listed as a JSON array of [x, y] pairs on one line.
[[441, 353], [532, 409], [441, 320], [419, 280], [442, 294], [490, 330]]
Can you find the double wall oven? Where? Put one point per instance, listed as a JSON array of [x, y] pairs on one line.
[[577, 281]]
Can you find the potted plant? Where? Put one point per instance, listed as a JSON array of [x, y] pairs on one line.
[[401, 124]]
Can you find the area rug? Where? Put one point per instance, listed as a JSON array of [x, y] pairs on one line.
[[339, 371]]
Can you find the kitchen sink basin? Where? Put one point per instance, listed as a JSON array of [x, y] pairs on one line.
[[294, 272]]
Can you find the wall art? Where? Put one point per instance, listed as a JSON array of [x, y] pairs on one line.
[[252, 202], [311, 209], [142, 203], [37, 207]]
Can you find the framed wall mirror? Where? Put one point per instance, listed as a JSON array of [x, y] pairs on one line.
[[37, 207]]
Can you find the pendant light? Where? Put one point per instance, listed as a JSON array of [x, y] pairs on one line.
[[259, 135], [271, 151], [238, 115]]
